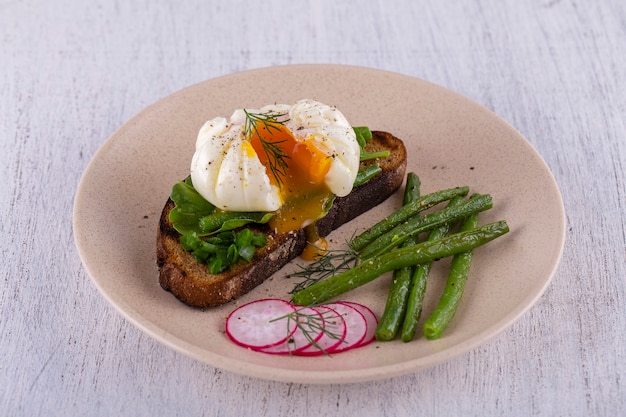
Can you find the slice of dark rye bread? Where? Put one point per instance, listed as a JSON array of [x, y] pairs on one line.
[[191, 282]]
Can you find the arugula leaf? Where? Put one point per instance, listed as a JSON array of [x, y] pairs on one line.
[[209, 235], [364, 135], [366, 173], [190, 207], [229, 220]]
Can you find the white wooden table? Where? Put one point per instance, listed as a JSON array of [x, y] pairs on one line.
[[71, 72]]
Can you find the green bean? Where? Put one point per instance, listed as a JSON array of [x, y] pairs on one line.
[[423, 252], [415, 298], [404, 213], [391, 318], [436, 323], [411, 189], [430, 221]]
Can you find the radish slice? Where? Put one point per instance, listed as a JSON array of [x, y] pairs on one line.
[[370, 318], [255, 325], [333, 335], [355, 324], [308, 331]]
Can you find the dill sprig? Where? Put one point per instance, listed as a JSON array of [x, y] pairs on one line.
[[311, 325], [332, 262], [276, 157]]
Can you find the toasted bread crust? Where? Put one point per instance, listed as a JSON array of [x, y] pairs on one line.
[[190, 281]]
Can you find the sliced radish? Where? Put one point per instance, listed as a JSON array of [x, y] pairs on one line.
[[355, 323], [256, 325], [309, 329], [370, 318], [335, 330], [276, 326]]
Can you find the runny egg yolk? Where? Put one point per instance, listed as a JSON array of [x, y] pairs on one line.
[[298, 170]]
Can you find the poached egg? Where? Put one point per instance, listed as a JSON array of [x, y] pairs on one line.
[[287, 159]]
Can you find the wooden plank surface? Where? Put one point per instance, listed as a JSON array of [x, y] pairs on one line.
[[71, 72]]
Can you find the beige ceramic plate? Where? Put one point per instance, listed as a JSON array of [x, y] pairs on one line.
[[451, 140]]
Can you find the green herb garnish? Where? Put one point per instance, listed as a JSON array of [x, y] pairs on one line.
[[331, 263], [364, 135], [221, 251], [276, 157], [190, 207], [230, 220], [195, 214], [311, 325], [367, 173], [214, 237]]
